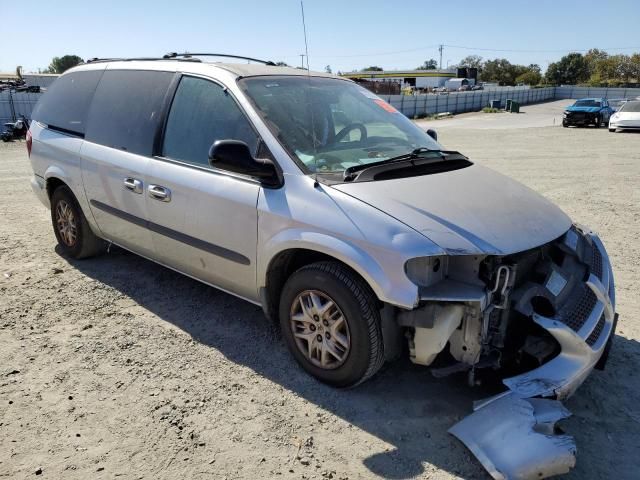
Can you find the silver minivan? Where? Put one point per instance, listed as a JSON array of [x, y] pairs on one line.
[[309, 195]]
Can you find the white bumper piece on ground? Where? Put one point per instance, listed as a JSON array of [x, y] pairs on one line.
[[515, 438]]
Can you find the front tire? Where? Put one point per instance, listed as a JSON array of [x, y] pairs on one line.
[[331, 323], [71, 228]]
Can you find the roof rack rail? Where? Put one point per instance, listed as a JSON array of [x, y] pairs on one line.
[[145, 59], [174, 55]]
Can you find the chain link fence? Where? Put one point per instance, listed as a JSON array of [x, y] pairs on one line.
[[470, 101], [13, 104], [570, 91]]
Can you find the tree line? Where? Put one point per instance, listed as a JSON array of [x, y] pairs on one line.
[[595, 68]]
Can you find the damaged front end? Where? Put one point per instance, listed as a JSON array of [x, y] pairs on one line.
[[544, 318]]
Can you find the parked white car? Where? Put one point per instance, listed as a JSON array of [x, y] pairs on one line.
[[627, 117], [312, 197]]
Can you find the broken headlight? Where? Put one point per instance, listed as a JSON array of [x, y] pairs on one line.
[[425, 271]]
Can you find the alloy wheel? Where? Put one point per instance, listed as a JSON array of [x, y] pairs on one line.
[[320, 329], [66, 223]]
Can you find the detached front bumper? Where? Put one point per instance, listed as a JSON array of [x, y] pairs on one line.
[[513, 434], [583, 334]]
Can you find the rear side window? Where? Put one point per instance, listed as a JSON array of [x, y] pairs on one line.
[[201, 113], [126, 109], [65, 104]]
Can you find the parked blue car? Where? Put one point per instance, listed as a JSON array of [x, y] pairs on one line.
[[588, 111]]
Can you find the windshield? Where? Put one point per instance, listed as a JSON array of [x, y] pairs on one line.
[[587, 103], [329, 125], [630, 107]]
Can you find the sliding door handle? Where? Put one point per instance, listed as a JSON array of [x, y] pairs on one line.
[[133, 184], [158, 192]]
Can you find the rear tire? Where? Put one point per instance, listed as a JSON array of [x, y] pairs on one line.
[[317, 300], [74, 235]]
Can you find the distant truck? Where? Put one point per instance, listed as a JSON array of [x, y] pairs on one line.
[[587, 111]]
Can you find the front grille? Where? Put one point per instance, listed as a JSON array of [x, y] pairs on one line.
[[596, 262], [576, 313], [576, 115], [597, 331]]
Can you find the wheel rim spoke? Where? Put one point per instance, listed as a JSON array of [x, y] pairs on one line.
[[320, 329], [66, 223], [341, 339], [331, 349], [305, 307]]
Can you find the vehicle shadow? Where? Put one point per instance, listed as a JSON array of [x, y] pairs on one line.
[[404, 405]]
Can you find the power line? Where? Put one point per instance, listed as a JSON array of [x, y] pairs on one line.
[[479, 49], [538, 51], [417, 49]]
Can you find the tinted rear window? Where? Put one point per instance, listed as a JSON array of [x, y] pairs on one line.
[[66, 102], [126, 109]]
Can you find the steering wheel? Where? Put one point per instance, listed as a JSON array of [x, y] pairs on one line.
[[352, 126]]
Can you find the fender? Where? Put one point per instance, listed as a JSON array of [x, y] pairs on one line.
[[390, 285], [54, 171]]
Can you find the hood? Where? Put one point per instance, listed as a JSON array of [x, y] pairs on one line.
[[626, 116], [467, 211], [573, 108]]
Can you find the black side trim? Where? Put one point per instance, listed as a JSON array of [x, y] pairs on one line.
[[158, 138], [174, 234], [120, 214]]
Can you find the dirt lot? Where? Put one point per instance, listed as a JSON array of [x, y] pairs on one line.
[[117, 367]]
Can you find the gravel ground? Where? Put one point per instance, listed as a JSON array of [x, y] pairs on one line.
[[116, 367]]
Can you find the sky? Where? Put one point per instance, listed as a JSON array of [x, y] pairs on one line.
[[347, 35]]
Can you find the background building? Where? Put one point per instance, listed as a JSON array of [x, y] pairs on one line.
[[40, 79], [392, 81], [422, 79]]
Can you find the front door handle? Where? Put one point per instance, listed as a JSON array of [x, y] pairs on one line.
[[160, 193], [133, 184]]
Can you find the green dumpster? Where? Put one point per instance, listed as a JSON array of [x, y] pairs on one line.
[[515, 107], [508, 106]]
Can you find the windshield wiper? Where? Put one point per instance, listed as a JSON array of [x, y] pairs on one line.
[[350, 173]]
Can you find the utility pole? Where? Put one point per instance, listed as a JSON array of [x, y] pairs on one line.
[[440, 48]]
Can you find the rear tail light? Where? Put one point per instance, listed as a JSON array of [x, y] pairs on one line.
[[29, 142]]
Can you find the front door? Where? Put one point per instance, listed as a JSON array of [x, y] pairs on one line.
[[204, 222]]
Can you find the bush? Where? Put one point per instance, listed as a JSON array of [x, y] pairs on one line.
[[491, 110]]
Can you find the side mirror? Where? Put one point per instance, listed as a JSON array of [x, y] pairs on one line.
[[432, 133], [235, 156]]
